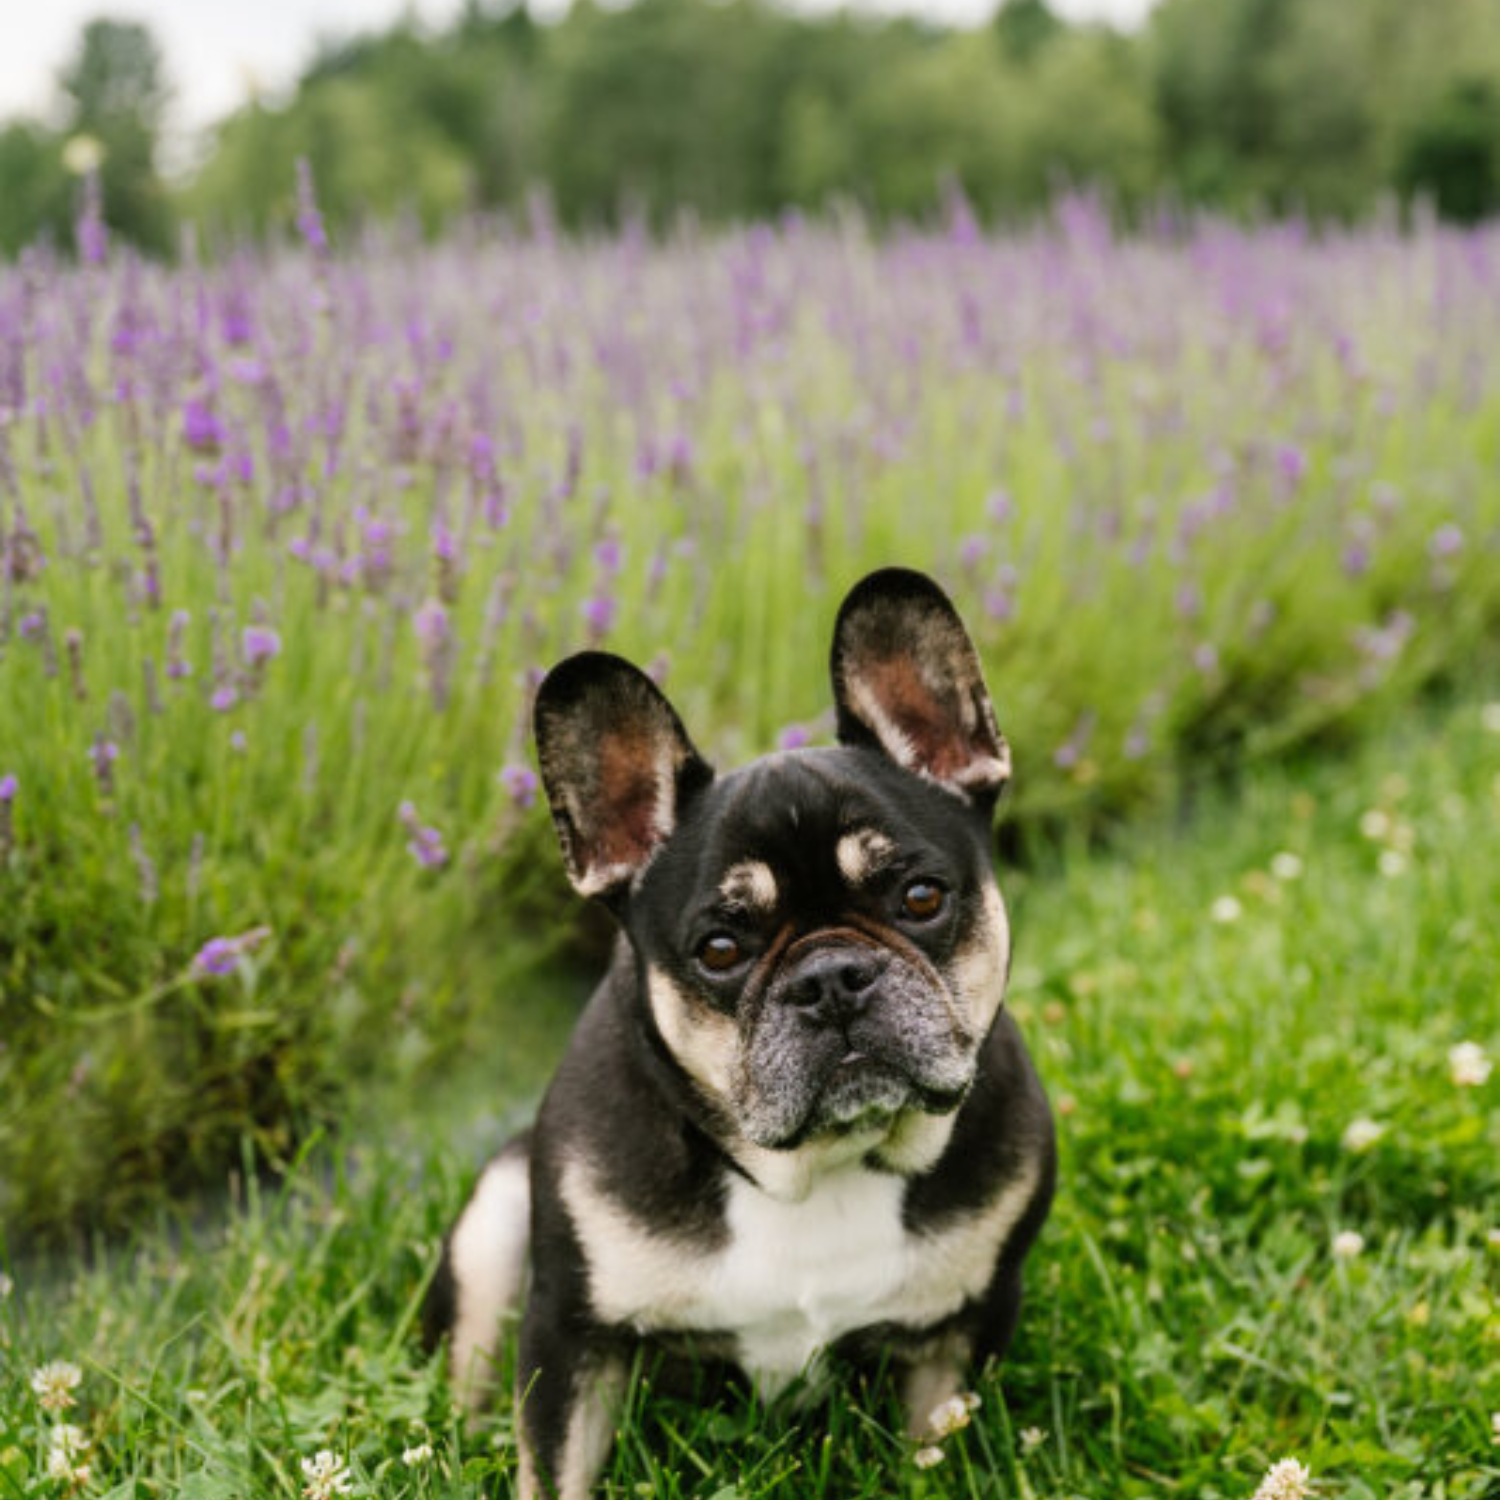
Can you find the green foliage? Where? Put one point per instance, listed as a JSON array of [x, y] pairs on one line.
[[35, 189], [731, 109], [1188, 1320], [1453, 154]]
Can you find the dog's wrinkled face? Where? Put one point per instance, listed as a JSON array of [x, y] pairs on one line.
[[824, 945], [822, 942]]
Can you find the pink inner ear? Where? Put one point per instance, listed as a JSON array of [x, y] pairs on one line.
[[932, 728], [628, 793]]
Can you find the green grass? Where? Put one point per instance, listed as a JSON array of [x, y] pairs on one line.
[[1188, 1322]]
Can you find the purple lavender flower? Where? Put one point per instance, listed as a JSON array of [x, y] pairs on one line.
[[90, 231], [9, 785], [424, 844], [260, 643], [224, 698], [999, 604], [1291, 464], [215, 957], [430, 620], [202, 431], [520, 782], [1385, 642], [103, 754], [33, 625], [607, 554], [599, 612], [309, 218], [177, 665], [793, 737], [219, 956], [1445, 541], [1000, 507]]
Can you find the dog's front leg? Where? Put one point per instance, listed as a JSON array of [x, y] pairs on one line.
[[567, 1400], [930, 1381]]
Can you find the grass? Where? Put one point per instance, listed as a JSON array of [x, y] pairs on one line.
[[1209, 1030]]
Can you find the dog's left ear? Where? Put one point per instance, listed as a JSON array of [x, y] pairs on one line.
[[907, 680]]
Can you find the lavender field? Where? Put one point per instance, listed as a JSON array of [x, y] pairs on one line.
[[287, 538]]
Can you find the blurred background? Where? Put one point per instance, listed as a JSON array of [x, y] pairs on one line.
[[358, 362], [739, 110]]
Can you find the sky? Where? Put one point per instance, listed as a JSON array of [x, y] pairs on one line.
[[218, 51]]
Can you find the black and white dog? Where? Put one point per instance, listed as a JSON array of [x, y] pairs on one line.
[[793, 1118]]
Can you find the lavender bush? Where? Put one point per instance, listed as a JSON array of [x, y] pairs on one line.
[[286, 541]]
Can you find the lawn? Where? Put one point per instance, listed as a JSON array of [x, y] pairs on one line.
[[1267, 1030]]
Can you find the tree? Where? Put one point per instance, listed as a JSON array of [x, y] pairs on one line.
[[1024, 27], [1452, 154], [115, 76], [36, 193], [115, 92]]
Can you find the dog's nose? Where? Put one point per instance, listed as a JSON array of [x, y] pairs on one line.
[[834, 986]]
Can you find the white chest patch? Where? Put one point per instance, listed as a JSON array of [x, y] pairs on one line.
[[793, 1277]]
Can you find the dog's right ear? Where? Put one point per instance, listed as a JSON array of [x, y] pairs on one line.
[[617, 765]]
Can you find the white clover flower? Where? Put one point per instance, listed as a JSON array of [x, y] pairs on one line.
[[1347, 1243], [1375, 824], [1361, 1134], [1392, 863], [927, 1458], [1495, 1426], [327, 1475], [7, 1286], [1489, 716], [1286, 1480], [54, 1384], [1032, 1438], [948, 1417], [1470, 1067], [68, 1439], [67, 1446], [972, 1401], [421, 1454], [1226, 909], [1286, 865], [1493, 1236]]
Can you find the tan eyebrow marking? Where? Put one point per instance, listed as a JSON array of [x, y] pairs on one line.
[[863, 853], [749, 883]]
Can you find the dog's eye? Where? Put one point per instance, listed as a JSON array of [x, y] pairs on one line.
[[922, 900], [719, 952]]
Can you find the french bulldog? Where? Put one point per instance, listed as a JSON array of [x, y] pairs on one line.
[[794, 1120]]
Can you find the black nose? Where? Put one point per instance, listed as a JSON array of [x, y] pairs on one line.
[[834, 986]]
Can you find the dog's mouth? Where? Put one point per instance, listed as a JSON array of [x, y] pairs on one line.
[[863, 1090]]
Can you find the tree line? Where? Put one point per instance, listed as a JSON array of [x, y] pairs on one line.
[[737, 109]]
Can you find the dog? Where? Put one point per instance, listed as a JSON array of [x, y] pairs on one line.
[[794, 1120]]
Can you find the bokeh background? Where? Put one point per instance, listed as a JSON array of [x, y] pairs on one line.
[[356, 364], [643, 113]]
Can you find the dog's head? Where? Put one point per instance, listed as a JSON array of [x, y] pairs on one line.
[[821, 942]]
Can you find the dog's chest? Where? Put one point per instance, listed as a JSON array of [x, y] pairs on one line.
[[791, 1278], [796, 1277]]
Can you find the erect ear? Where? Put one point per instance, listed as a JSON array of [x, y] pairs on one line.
[[907, 680], [616, 763]]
